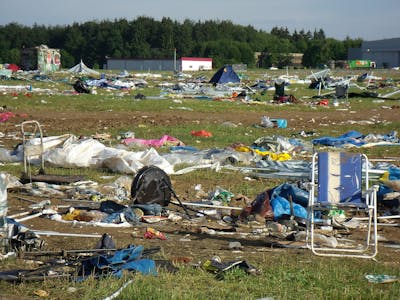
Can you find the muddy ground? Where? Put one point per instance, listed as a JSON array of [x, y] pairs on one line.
[[98, 121], [187, 241]]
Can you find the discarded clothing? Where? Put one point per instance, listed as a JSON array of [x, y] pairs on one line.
[[260, 206], [6, 115], [125, 215], [153, 233], [274, 203], [153, 209]]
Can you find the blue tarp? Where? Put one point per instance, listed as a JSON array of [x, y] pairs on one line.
[[280, 200], [113, 265], [357, 139], [281, 206], [352, 137]]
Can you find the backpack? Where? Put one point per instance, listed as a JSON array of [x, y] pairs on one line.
[[151, 185]]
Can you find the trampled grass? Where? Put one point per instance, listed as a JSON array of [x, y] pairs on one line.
[[285, 274]]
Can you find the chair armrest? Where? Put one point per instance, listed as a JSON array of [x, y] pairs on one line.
[[372, 189], [310, 185], [371, 192]]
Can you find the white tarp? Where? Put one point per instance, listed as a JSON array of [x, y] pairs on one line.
[[68, 151], [90, 153], [81, 68]]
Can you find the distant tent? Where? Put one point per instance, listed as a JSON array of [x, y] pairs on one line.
[[81, 68], [225, 75]]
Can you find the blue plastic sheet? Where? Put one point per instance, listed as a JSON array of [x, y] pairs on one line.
[[113, 265], [358, 139], [287, 190], [394, 173], [281, 205], [352, 137]]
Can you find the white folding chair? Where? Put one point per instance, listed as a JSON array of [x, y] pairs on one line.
[[337, 183], [33, 148]]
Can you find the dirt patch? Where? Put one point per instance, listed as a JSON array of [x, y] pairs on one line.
[[66, 122]]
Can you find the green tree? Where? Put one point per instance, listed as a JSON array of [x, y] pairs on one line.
[[75, 42], [280, 32], [318, 53], [13, 56], [67, 60], [145, 37], [183, 38]]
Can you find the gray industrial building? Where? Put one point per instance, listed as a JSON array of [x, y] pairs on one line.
[[142, 64], [385, 53]]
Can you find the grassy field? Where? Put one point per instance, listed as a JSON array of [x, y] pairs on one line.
[[285, 273]]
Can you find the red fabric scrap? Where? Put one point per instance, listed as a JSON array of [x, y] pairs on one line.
[[324, 102], [6, 115], [201, 133]]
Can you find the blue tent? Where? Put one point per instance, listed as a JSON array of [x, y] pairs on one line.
[[225, 75]]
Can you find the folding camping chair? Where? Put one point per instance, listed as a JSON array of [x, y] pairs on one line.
[[341, 186], [32, 129]]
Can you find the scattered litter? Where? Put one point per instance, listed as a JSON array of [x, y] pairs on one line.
[[270, 123], [216, 266], [153, 233], [381, 278], [235, 245], [41, 293]]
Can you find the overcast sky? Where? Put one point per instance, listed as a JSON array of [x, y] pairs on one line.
[[366, 19]]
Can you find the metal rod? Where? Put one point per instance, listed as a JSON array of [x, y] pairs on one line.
[[207, 205], [380, 218], [29, 217], [54, 233], [19, 215]]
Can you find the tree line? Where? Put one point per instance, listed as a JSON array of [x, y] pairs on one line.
[[145, 37]]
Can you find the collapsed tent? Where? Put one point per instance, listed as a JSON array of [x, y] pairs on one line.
[[319, 79], [70, 151], [225, 75], [81, 68]]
